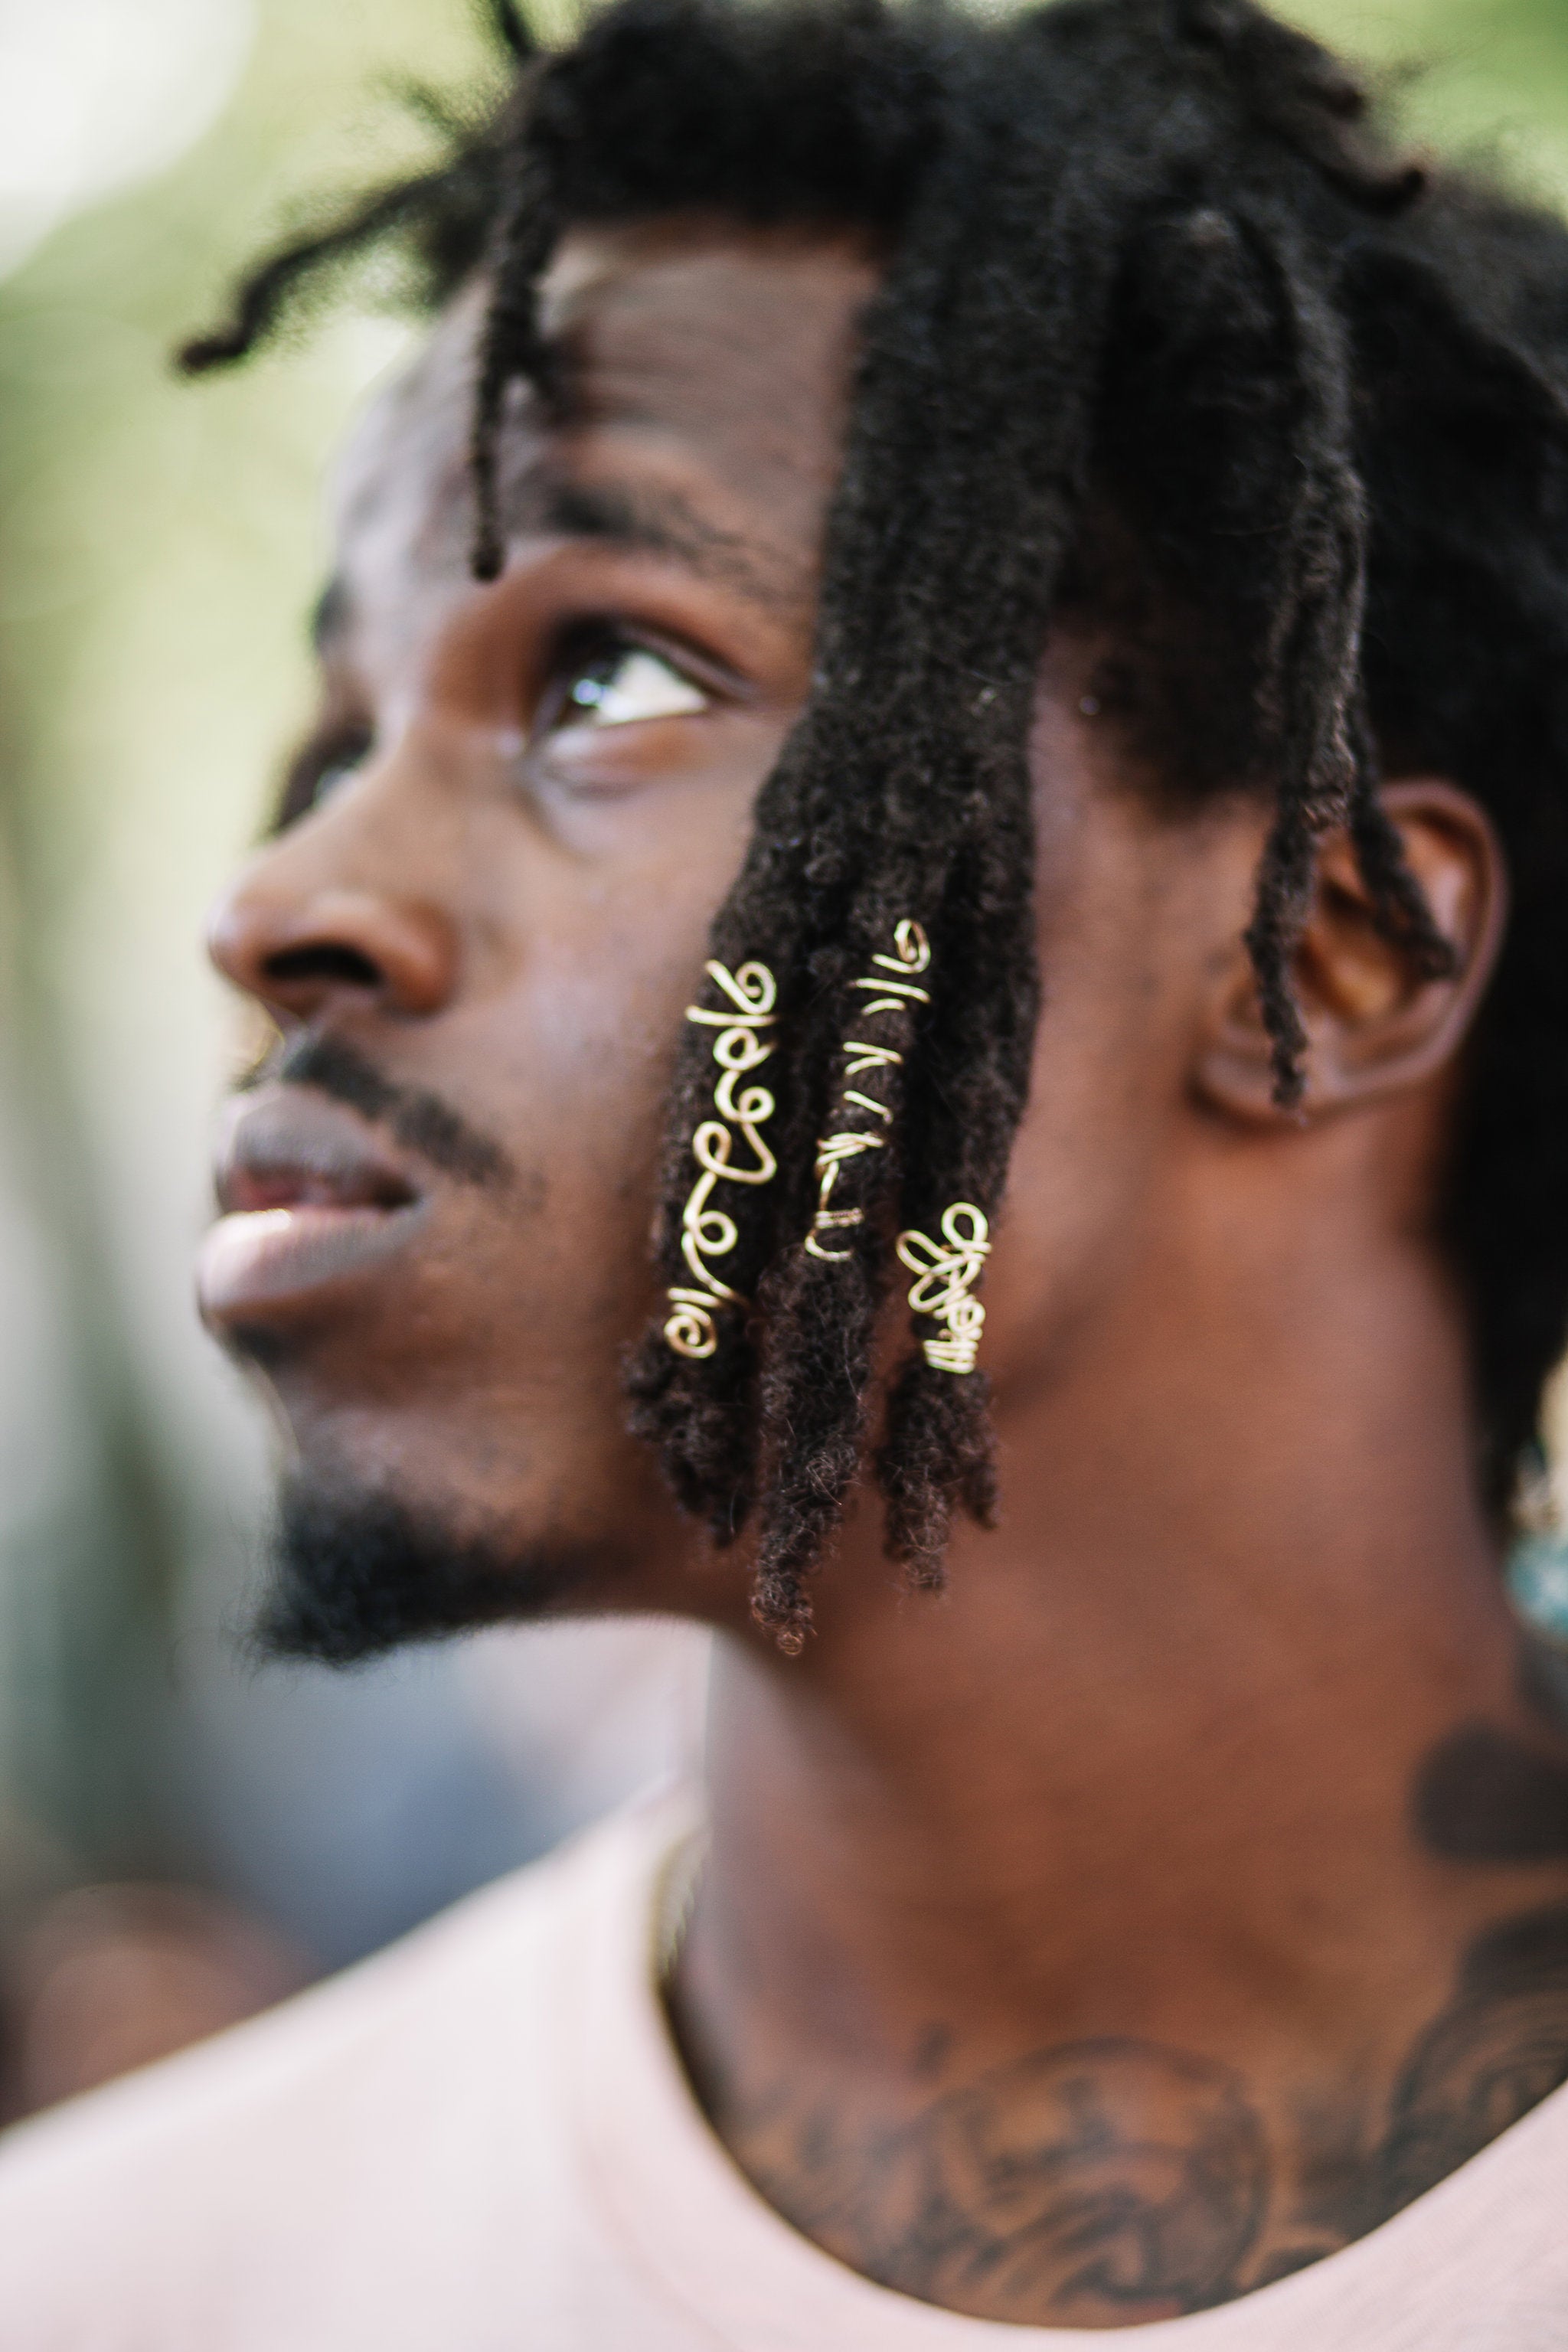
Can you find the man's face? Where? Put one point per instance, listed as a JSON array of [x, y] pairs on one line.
[[479, 936], [480, 939]]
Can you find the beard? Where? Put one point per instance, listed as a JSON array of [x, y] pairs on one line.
[[358, 1572]]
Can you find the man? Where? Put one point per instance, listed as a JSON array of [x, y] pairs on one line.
[[955, 509]]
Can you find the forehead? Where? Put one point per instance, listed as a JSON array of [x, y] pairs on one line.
[[698, 362]]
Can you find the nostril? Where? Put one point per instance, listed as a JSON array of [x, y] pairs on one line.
[[299, 948], [325, 960]]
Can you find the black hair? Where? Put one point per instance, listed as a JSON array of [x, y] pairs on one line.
[[356, 1573], [1153, 280]]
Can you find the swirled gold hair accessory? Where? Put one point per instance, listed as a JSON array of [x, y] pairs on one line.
[[708, 1232], [947, 1272], [911, 953]]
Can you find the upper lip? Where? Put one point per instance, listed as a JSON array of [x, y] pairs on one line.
[[287, 1147]]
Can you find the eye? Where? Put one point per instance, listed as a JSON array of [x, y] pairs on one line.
[[618, 683], [319, 766]]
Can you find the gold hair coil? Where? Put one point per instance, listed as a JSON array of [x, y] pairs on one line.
[[945, 1277], [707, 1233], [911, 953]]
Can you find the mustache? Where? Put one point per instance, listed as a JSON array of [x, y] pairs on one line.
[[421, 1121]]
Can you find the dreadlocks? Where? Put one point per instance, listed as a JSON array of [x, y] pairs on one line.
[[1162, 323]]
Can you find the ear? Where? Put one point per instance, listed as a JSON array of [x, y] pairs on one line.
[[1376, 1024]]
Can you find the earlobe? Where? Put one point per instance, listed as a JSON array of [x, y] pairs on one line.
[[1376, 1021]]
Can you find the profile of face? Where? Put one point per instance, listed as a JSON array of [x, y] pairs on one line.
[[478, 931]]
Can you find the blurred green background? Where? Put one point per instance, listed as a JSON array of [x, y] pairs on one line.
[[159, 545]]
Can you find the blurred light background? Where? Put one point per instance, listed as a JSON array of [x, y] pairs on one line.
[[179, 1839]]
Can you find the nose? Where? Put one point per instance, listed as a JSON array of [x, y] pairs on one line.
[[306, 944]]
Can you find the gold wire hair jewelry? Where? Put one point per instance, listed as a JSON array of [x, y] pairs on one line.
[[946, 1277], [708, 1232], [911, 953]]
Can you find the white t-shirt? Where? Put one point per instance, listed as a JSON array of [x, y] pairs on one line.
[[481, 2141]]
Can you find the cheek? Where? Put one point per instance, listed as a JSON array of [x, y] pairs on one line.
[[1127, 923], [587, 932], [1077, 1188], [583, 1073], [566, 1040]]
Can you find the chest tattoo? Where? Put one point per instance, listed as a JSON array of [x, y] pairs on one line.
[[1108, 2181]]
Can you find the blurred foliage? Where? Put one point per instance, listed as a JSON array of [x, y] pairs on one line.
[[1482, 81], [159, 547]]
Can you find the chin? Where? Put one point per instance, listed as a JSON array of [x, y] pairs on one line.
[[358, 1571]]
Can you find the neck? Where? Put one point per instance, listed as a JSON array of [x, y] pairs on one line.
[[1068, 1947]]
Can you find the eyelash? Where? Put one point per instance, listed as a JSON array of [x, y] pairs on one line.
[[335, 752], [591, 642]]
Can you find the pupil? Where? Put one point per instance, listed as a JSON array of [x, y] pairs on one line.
[[593, 681]]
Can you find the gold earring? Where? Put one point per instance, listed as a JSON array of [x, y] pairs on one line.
[[707, 1233]]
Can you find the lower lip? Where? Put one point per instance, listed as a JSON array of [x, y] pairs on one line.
[[263, 1257]]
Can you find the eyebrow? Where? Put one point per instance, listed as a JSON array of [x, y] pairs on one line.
[[657, 522], [644, 521]]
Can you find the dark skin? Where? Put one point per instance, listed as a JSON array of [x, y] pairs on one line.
[[1090, 1944]]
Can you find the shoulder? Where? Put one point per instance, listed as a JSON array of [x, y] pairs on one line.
[[398, 2008], [294, 2148]]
